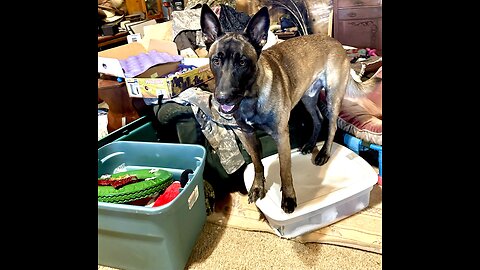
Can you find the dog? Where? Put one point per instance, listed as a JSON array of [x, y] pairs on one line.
[[259, 88]]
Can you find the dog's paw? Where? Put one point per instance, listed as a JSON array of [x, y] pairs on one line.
[[321, 158], [289, 204], [256, 193], [307, 148]]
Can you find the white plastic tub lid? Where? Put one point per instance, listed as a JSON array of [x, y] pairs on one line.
[[316, 187]]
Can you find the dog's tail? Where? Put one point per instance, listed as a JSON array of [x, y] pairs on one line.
[[356, 88]]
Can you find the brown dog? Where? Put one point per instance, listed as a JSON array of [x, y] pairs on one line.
[[260, 88]]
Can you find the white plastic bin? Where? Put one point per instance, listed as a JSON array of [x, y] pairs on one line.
[[325, 194]]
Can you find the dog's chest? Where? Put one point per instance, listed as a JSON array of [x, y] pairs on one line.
[[257, 120], [251, 117]]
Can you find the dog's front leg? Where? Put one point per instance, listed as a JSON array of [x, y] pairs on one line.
[[289, 199], [254, 149]]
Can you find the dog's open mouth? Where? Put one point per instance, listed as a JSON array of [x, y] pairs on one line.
[[227, 108], [230, 106]]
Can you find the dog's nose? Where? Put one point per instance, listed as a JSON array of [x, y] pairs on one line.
[[227, 95], [222, 99]]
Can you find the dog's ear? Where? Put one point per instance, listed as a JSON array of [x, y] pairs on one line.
[[257, 29], [211, 28]]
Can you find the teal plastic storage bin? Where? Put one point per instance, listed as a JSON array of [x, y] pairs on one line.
[[141, 130], [138, 237]]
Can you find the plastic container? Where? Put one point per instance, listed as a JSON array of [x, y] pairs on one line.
[[325, 194], [139, 237], [141, 129]]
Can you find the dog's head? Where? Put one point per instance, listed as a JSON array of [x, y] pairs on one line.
[[233, 56]]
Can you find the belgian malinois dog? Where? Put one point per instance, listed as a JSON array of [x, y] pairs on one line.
[[261, 87]]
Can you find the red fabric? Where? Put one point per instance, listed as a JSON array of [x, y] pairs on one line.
[[168, 195]]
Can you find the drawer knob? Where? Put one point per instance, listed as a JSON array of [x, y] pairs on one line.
[[352, 14]]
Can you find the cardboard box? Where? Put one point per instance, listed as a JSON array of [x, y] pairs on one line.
[[154, 81], [167, 86], [109, 60]]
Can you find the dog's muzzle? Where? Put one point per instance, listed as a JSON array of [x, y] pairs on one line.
[[227, 104]]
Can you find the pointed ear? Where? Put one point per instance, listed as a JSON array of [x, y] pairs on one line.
[[210, 25], [257, 28]]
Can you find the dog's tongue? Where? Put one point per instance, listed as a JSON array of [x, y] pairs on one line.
[[227, 108]]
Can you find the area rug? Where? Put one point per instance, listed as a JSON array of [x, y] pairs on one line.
[[362, 230]]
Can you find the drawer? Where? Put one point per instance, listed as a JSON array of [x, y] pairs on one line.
[[359, 13], [356, 3]]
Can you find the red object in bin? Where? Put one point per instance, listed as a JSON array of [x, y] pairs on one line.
[[173, 190], [169, 194]]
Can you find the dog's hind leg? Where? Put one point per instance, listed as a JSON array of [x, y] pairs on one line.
[[310, 99], [254, 149], [336, 84]]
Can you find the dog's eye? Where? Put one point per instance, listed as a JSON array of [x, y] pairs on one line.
[[242, 63], [216, 61]]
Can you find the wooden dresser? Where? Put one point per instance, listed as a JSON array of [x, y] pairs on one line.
[[358, 23]]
